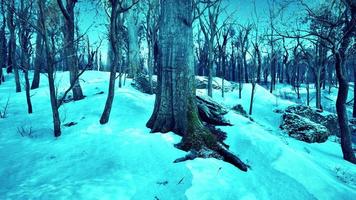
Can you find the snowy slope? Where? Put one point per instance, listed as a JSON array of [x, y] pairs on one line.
[[122, 160]]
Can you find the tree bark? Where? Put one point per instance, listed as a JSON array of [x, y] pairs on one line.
[[133, 44], [175, 106], [345, 135]]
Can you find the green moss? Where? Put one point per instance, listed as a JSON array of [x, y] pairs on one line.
[[197, 135]]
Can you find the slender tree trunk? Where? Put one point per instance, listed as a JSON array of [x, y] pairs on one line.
[[70, 49], [308, 90], [210, 71], [3, 50], [150, 65], [259, 64], [318, 90], [50, 72], [240, 79], [115, 21], [38, 62], [354, 109], [12, 43], [245, 67], [28, 95], [252, 96]]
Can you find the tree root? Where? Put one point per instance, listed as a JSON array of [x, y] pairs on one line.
[[222, 153]]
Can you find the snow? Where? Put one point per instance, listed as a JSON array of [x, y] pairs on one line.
[[122, 160]]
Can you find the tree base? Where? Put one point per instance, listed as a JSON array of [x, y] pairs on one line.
[[203, 144]]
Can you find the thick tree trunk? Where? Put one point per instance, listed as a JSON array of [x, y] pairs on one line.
[[175, 106], [133, 44], [345, 135]]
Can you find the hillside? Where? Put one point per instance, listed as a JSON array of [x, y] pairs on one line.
[[123, 160]]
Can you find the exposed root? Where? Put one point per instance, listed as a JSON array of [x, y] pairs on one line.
[[221, 153]]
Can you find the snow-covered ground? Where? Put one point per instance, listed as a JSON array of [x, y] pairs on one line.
[[122, 160]]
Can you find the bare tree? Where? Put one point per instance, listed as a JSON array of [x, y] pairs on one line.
[[209, 26], [12, 43], [341, 28], [118, 7], [151, 28], [25, 34], [39, 58], [70, 50]]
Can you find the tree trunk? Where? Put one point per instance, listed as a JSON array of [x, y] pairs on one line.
[[150, 66], [252, 96], [38, 62], [3, 51], [345, 135], [175, 106], [50, 71], [259, 64], [28, 95], [70, 50], [318, 90], [210, 71], [115, 21], [245, 67], [354, 109], [12, 44], [133, 44]]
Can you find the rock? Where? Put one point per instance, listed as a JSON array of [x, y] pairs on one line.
[[304, 129], [70, 124], [327, 120], [141, 83], [279, 111], [201, 82], [240, 110], [209, 111]]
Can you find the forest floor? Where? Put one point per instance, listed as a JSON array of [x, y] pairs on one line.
[[122, 160]]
